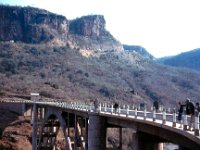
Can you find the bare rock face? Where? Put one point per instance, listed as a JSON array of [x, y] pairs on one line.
[[30, 25], [91, 34], [89, 26]]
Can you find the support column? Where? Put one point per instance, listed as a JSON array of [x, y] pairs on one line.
[[23, 109], [34, 98], [183, 148], [148, 142], [135, 140], [120, 138], [86, 133], [75, 132], [34, 132], [31, 115], [96, 132]]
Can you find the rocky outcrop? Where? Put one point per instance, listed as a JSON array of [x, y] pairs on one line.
[[30, 25], [90, 33], [89, 26]]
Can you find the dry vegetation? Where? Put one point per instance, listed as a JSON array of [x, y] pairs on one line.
[[67, 74]]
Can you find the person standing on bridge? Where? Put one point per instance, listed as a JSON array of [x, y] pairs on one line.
[[156, 105], [180, 113], [190, 111], [197, 108], [96, 105]]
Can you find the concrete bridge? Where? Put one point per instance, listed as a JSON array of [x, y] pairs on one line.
[[84, 125]]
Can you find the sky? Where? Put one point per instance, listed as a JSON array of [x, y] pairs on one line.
[[162, 27]]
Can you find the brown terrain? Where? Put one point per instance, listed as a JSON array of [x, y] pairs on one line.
[[15, 131], [76, 60]]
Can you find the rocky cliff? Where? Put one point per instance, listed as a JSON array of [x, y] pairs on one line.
[[33, 25], [89, 26], [30, 25]]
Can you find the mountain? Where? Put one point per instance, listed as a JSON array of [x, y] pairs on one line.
[[188, 59], [80, 60]]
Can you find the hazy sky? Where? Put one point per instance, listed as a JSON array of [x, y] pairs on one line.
[[163, 27]]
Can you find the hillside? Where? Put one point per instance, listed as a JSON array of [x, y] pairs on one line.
[[82, 62], [139, 50], [185, 60]]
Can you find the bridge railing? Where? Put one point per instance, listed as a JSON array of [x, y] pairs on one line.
[[161, 116], [124, 110]]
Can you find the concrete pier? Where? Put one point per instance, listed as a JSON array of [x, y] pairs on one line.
[[96, 132]]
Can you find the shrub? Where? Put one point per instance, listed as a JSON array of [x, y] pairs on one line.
[[8, 65], [34, 51], [79, 72], [70, 77], [42, 75], [87, 75], [46, 94], [55, 86], [104, 91]]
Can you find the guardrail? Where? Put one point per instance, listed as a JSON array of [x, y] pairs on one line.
[[162, 116]]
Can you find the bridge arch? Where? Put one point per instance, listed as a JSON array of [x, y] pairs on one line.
[[52, 122]]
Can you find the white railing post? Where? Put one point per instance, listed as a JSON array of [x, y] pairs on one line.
[[139, 107], [145, 112], [119, 110], [76, 105], [133, 106], [152, 108], [112, 108], [136, 112], [65, 104], [99, 108], [90, 107], [174, 118], [127, 111], [81, 105], [160, 108], [196, 123], [164, 117], [154, 114], [105, 107], [86, 106]]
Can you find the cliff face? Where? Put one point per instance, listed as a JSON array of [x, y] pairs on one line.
[[30, 25], [89, 26], [89, 33]]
